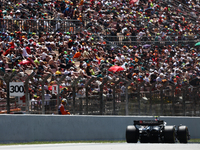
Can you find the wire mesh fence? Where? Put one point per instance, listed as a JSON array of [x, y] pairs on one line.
[[103, 96]]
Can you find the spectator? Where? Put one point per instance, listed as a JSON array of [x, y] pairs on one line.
[[61, 108], [47, 98]]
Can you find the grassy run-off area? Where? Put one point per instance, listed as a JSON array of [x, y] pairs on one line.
[[62, 142]]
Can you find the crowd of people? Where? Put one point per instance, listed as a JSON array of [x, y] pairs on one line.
[[158, 42]]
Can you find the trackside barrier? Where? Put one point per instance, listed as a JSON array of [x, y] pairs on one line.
[[27, 128]]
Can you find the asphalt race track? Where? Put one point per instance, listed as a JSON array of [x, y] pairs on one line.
[[104, 146]]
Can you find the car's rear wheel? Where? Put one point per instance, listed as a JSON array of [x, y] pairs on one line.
[[132, 134], [183, 134], [169, 134]]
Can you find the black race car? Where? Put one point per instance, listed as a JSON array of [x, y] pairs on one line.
[[154, 131]]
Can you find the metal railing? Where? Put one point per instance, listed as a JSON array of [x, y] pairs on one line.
[[40, 25], [136, 41]]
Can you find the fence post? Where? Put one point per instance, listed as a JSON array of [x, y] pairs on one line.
[[184, 95], [86, 101], [184, 98], [7, 79], [173, 100], [161, 96], [194, 100], [114, 88], [101, 95], [8, 95], [127, 84], [58, 84], [198, 109], [43, 82], [74, 96], [138, 95], [86, 94], [150, 108], [74, 92], [26, 87]]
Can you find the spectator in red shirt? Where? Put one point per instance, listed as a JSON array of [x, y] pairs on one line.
[[28, 49], [8, 50]]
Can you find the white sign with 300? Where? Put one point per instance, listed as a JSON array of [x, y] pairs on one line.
[[16, 88]]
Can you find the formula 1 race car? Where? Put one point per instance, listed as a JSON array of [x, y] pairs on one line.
[[155, 131]]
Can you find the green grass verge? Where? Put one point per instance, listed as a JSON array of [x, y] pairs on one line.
[[63, 142], [194, 141]]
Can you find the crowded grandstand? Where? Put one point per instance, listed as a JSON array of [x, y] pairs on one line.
[[150, 41]]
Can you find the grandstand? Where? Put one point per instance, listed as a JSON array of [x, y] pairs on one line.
[[155, 42]]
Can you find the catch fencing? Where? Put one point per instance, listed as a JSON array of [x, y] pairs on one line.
[[40, 25], [100, 96], [159, 41]]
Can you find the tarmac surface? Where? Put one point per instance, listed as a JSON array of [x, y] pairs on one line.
[[104, 146]]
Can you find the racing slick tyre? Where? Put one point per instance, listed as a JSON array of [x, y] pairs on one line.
[[182, 134], [169, 134], [132, 134]]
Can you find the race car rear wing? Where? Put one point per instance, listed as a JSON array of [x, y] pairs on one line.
[[148, 122]]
